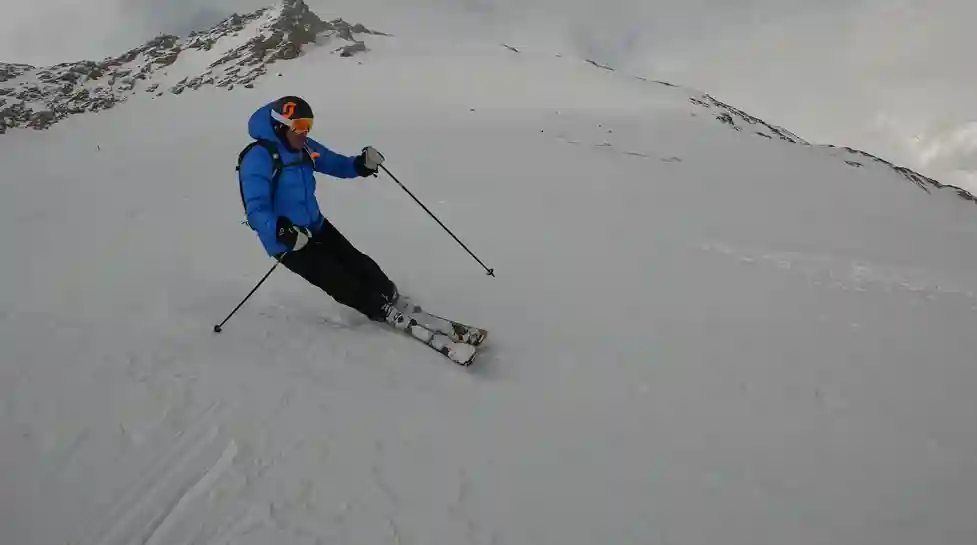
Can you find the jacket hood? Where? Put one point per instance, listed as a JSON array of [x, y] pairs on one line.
[[259, 126]]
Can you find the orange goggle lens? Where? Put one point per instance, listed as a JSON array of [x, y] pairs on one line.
[[302, 125]]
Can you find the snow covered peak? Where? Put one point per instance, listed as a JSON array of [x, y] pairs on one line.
[[236, 51], [239, 49]]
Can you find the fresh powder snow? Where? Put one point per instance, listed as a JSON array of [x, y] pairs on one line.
[[698, 335]]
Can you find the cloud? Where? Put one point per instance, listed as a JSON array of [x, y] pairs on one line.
[[893, 77], [180, 17], [47, 32], [51, 31]]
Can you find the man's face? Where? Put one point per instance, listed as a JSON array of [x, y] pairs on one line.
[[295, 139]]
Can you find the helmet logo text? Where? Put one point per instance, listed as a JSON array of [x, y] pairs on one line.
[[288, 110]]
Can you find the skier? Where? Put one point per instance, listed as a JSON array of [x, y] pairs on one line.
[[289, 222]]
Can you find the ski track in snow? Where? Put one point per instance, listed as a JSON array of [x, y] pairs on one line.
[[697, 336]]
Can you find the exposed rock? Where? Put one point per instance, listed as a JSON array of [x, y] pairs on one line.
[[964, 194], [299, 20], [599, 65], [280, 33], [287, 52], [164, 41], [301, 35], [727, 119], [203, 44], [31, 93], [169, 58], [42, 119], [352, 49], [128, 57], [343, 30], [729, 113], [11, 71], [271, 42], [16, 114]]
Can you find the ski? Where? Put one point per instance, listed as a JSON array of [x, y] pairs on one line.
[[458, 352], [457, 331]]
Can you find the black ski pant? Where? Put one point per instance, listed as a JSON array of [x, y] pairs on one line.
[[349, 276]]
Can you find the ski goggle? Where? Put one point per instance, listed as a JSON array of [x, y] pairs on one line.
[[301, 125]]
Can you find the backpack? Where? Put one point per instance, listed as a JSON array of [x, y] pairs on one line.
[[277, 167], [276, 172]]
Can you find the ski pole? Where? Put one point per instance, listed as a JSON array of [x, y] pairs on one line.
[[490, 272], [219, 327]]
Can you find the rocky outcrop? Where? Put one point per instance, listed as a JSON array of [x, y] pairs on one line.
[[11, 71], [857, 158], [39, 97], [735, 118], [16, 114], [298, 24], [599, 65], [352, 49]]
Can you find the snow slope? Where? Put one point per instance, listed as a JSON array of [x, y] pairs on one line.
[[698, 336]]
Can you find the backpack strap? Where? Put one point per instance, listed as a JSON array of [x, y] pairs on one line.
[[276, 172], [306, 157]]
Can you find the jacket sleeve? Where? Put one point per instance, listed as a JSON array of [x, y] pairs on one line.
[[332, 163], [256, 170]]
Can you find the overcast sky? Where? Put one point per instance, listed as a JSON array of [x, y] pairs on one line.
[[894, 77]]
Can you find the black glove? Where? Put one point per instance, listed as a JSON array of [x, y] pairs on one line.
[[368, 162], [291, 235]]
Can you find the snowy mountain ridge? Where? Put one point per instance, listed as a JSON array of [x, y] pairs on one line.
[[740, 120], [235, 52], [238, 50]]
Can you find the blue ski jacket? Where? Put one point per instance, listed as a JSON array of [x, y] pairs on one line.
[[295, 194]]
